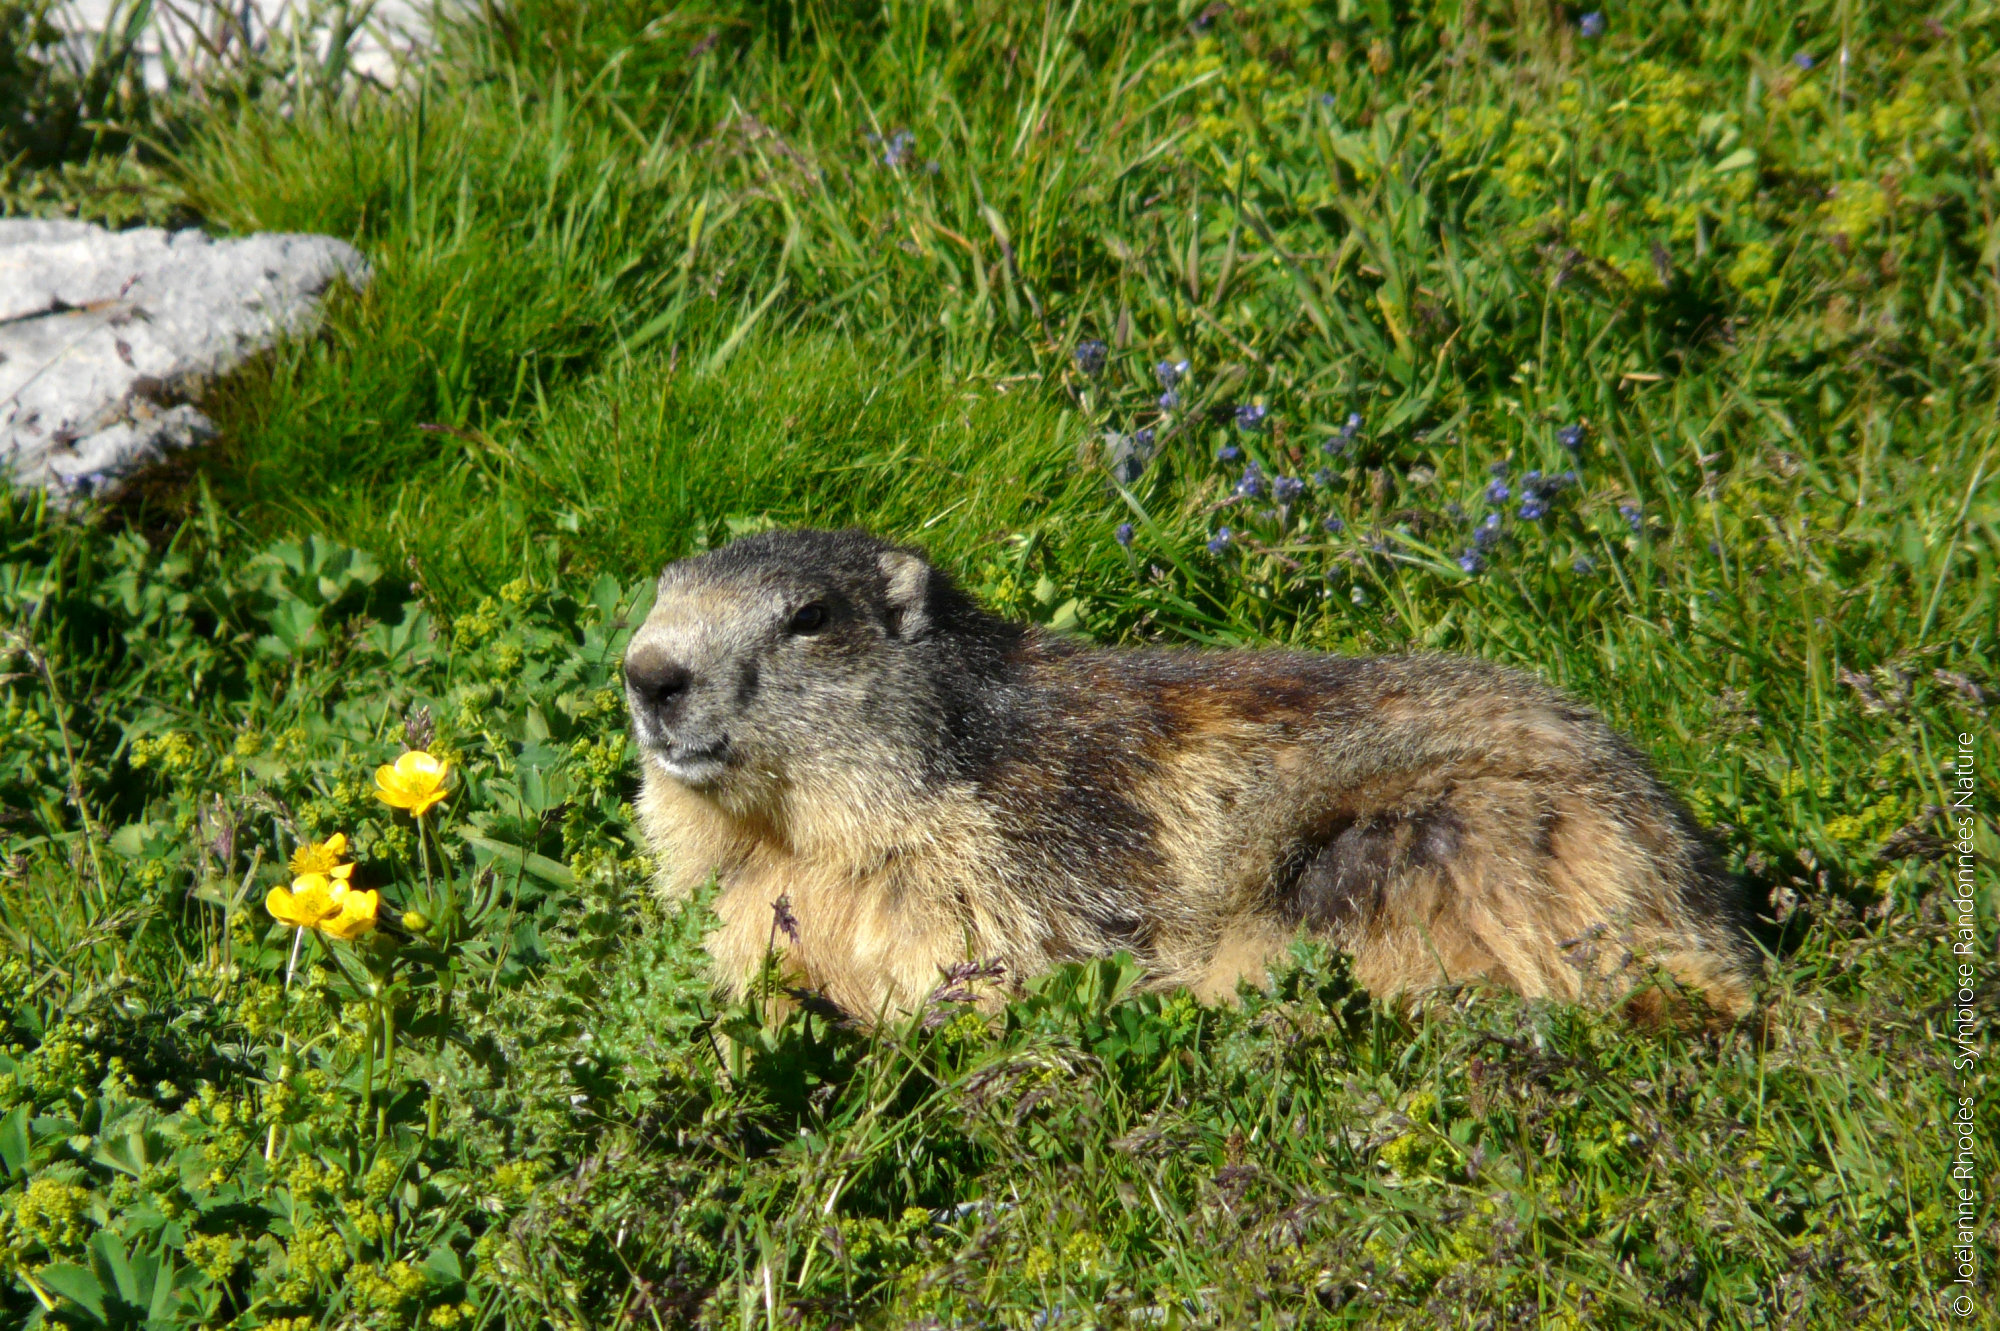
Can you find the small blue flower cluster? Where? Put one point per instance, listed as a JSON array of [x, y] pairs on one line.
[[1537, 492], [1338, 444], [1090, 357], [894, 148]]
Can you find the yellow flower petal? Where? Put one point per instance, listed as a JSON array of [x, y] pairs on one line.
[[279, 902], [415, 781], [356, 916], [323, 857]]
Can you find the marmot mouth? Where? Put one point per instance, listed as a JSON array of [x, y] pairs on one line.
[[695, 764]]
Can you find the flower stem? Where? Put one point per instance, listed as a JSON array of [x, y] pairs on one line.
[[285, 1030], [424, 852], [388, 1059]]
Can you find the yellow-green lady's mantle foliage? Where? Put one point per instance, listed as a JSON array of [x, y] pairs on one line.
[[1652, 349], [206, 1113]]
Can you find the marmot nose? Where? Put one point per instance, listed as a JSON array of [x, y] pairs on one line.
[[654, 678]]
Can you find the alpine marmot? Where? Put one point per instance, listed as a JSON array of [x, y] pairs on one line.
[[826, 717]]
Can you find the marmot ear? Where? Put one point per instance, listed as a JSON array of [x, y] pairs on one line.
[[909, 593]]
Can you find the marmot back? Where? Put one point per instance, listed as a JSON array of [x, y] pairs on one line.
[[824, 716]]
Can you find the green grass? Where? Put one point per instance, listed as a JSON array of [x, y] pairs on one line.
[[645, 281]]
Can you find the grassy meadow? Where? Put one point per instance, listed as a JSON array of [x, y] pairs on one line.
[[1655, 350]]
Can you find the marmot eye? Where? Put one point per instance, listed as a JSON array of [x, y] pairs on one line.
[[808, 618]]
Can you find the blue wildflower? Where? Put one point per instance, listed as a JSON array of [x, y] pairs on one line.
[[1251, 417], [1170, 372], [1335, 445], [1322, 478], [896, 148], [1634, 518], [1497, 492], [1532, 509], [1169, 400], [1334, 525], [1803, 60], [1471, 560], [1124, 533], [1143, 439], [1583, 566], [1497, 468], [1591, 24], [1287, 488], [1353, 426], [1487, 532], [1251, 486], [1326, 99], [1220, 541], [1229, 453], [1537, 486], [1090, 357], [1570, 437]]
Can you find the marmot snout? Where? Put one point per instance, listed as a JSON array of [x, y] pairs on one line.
[[826, 717]]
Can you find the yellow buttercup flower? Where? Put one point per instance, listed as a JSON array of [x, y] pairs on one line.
[[317, 901], [415, 781], [308, 903], [324, 857]]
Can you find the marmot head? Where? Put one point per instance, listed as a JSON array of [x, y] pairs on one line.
[[796, 658]]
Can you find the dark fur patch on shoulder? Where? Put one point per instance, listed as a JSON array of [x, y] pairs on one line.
[[1343, 875]]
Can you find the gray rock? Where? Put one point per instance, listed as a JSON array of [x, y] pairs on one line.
[[385, 38], [101, 331]]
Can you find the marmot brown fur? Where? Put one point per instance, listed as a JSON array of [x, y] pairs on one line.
[[826, 717]]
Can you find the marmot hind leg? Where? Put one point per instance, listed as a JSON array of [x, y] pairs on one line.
[[1552, 897]]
